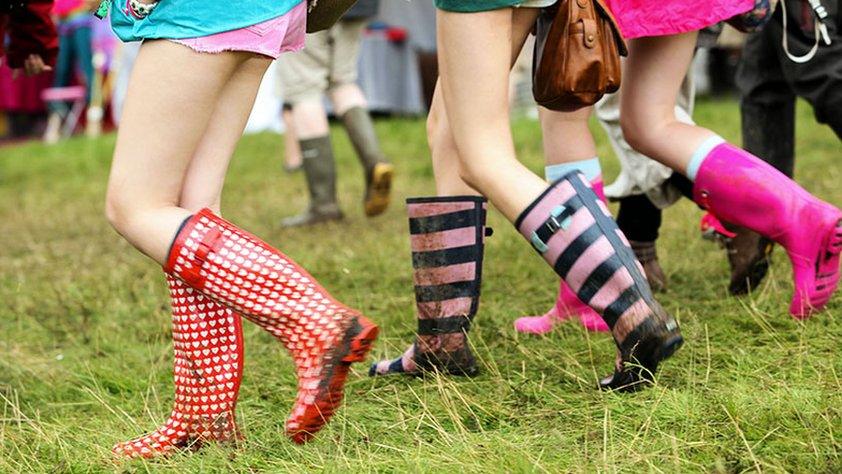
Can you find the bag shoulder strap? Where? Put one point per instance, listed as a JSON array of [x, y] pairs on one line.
[[605, 12], [820, 29]]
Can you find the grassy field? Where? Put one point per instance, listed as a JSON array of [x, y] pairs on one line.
[[85, 356]]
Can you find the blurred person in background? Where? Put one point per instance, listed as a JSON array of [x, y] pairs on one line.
[[74, 23], [328, 67], [32, 43], [292, 151], [28, 44], [769, 83]]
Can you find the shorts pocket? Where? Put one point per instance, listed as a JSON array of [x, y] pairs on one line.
[[260, 29]]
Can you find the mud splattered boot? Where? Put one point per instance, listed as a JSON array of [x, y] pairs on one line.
[[567, 305], [378, 171], [447, 239], [572, 229], [208, 346], [320, 170], [741, 189], [323, 336], [647, 255]]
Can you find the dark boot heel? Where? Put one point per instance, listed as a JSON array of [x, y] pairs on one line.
[[459, 363], [641, 358]]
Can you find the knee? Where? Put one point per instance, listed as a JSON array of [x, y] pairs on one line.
[[196, 202], [125, 209], [472, 174], [434, 125], [118, 210], [639, 131]]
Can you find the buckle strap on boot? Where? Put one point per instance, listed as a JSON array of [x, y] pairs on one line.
[[560, 218], [211, 242]]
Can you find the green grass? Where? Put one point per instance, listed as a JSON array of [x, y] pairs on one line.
[[85, 347]]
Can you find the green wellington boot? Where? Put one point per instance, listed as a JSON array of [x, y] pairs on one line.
[[320, 170], [378, 171]]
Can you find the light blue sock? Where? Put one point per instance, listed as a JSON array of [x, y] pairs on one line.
[[590, 168], [701, 153]]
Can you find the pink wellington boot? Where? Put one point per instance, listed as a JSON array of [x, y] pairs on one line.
[[567, 304], [740, 188]]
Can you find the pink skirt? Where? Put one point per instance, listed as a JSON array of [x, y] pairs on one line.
[[639, 18], [271, 38]]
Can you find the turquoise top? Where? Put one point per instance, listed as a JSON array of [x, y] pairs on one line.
[[179, 19]]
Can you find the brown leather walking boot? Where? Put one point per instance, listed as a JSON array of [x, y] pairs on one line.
[[647, 255], [749, 255]]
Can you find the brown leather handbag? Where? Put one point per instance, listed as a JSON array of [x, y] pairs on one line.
[[577, 55], [322, 14]]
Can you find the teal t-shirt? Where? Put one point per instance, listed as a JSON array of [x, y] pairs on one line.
[[473, 6], [179, 19]]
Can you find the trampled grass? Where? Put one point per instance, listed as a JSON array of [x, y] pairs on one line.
[[85, 357]]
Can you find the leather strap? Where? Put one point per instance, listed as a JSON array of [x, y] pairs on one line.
[[211, 242]]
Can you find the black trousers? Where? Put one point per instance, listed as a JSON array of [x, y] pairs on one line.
[[769, 83]]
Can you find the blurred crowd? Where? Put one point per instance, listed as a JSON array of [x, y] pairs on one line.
[[85, 71]]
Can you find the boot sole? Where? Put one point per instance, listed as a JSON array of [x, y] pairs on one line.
[[827, 274], [380, 189], [353, 347], [647, 356], [316, 220]]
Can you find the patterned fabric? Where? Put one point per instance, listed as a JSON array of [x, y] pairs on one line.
[[741, 189], [30, 30], [639, 18], [574, 232], [208, 346], [241, 271], [754, 19], [447, 239]]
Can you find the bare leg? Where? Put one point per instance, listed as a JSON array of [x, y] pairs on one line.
[[292, 151], [190, 420], [474, 46], [205, 176], [310, 119], [566, 135], [653, 75], [152, 156], [734, 185], [480, 45], [346, 97], [443, 151], [449, 352]]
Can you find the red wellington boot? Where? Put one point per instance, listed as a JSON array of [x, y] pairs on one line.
[[241, 271], [208, 345]]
